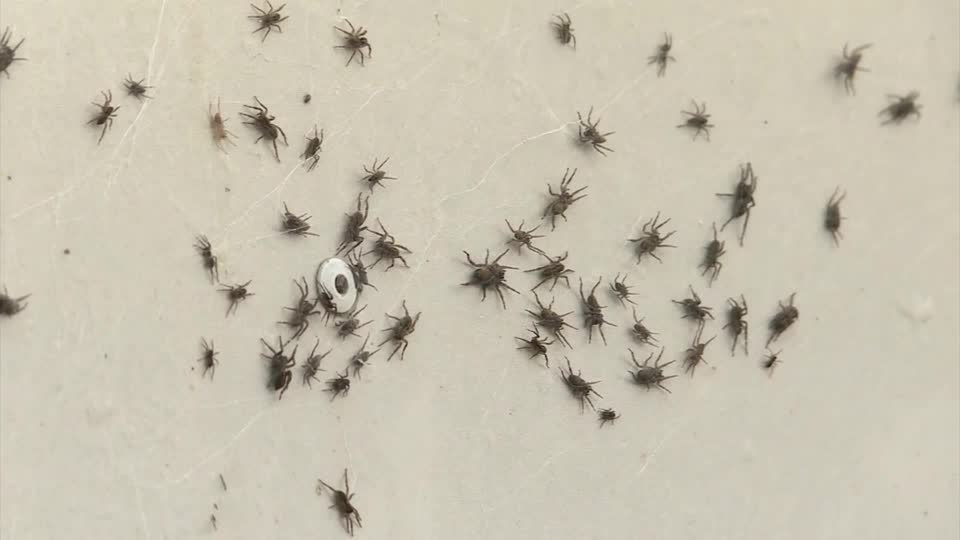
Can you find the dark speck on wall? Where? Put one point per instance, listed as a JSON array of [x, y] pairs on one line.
[[66, 251]]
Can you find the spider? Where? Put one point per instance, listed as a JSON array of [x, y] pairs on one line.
[[236, 294], [403, 327], [662, 56], [209, 358], [10, 306], [784, 319], [279, 366], [692, 309], [342, 501], [338, 385], [307, 98], [551, 320], [8, 53], [849, 66], [521, 238], [295, 224], [262, 122], [349, 326], [330, 310], [711, 257], [205, 250], [607, 415], [554, 269], [901, 108], [622, 291], [562, 200], [650, 239], [106, 115], [699, 120], [564, 30], [136, 88], [771, 360], [593, 312], [268, 20], [589, 134], [362, 357], [355, 41], [359, 271], [300, 314], [536, 345], [832, 218], [490, 274], [218, 128], [694, 355], [377, 175], [738, 324], [640, 332], [580, 388], [312, 365], [353, 232], [385, 247], [649, 376], [742, 197], [311, 153]]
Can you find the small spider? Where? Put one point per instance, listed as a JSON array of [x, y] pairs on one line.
[[262, 122], [342, 503], [377, 175], [649, 376], [106, 115], [209, 358], [698, 120], [279, 366], [217, 126], [268, 20], [300, 314], [307, 98], [555, 270], [385, 247], [784, 319], [563, 30], [640, 332], [10, 306], [338, 385], [521, 238], [580, 388], [662, 56], [832, 218], [607, 415], [359, 271], [551, 320], [490, 274], [593, 312], [536, 345], [737, 323], [693, 309], [901, 108], [330, 310], [711, 257], [8, 55], [847, 67], [312, 365], [771, 360], [353, 232], [361, 358], [311, 153], [295, 224], [236, 294], [136, 88], [350, 325], [694, 355], [650, 239], [562, 200], [403, 327], [205, 250], [622, 291], [589, 134], [743, 199], [355, 41]]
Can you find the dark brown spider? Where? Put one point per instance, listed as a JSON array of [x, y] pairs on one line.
[[771, 360], [353, 232], [554, 269], [279, 366], [205, 250], [589, 134], [385, 247], [350, 325], [403, 327], [622, 291], [662, 56], [300, 314], [218, 127], [742, 198], [342, 502], [360, 277], [262, 122], [593, 312], [711, 257], [847, 67], [377, 175], [490, 274], [784, 319], [136, 88], [562, 200], [521, 238], [698, 120], [312, 365], [536, 345], [311, 153], [737, 323], [693, 309], [694, 355], [564, 30], [338, 385], [10, 306], [551, 320], [329, 307], [640, 332], [580, 388], [607, 415], [291, 223], [106, 115], [209, 358], [650, 239], [901, 108], [8, 55], [236, 294], [268, 20], [361, 358], [649, 376], [832, 218], [355, 41]]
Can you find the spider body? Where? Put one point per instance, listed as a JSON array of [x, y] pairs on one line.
[[218, 127], [300, 314], [205, 250], [136, 88], [622, 291], [401, 329], [386, 247], [593, 312], [694, 355], [295, 224], [106, 114], [521, 238], [268, 19], [607, 415], [536, 345], [10, 306], [711, 257], [376, 175], [342, 502], [279, 366], [554, 269], [784, 319], [490, 274], [311, 154], [563, 30], [311, 366], [698, 120], [208, 359], [262, 121], [350, 325], [662, 56], [580, 388], [771, 360], [737, 323], [8, 54], [353, 231], [694, 309], [901, 108], [236, 294], [552, 321], [360, 277], [832, 218], [589, 134], [361, 358], [355, 41], [649, 376], [742, 198], [640, 332], [650, 239], [849, 65], [562, 200], [338, 385]]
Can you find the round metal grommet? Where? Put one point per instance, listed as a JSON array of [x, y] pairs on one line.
[[335, 279]]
